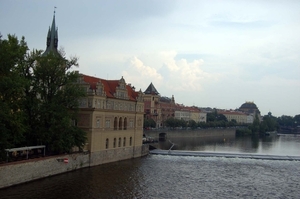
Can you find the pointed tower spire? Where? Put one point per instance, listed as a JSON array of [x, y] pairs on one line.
[[52, 38], [151, 90]]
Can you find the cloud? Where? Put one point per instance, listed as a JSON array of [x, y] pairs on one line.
[[174, 76], [141, 75], [184, 75]]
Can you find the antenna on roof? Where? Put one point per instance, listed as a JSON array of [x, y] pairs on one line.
[[54, 10]]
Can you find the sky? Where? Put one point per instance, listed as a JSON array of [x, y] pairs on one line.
[[216, 54]]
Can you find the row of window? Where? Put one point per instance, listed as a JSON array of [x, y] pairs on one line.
[[102, 104], [120, 123], [119, 142]]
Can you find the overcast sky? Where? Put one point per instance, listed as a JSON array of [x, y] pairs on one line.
[[216, 54]]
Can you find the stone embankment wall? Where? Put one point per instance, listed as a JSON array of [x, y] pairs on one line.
[[32, 169], [192, 133], [24, 171], [118, 154]]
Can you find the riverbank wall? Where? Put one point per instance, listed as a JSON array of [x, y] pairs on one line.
[[14, 173], [211, 132]]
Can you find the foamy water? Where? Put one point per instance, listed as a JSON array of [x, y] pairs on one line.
[[158, 176]]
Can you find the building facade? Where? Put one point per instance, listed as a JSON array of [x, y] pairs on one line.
[[239, 117], [160, 108], [112, 115], [152, 107]]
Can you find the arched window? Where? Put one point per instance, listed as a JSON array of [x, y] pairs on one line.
[[119, 145], [115, 140], [130, 141], [125, 123], [106, 143], [124, 141], [116, 123], [120, 123]]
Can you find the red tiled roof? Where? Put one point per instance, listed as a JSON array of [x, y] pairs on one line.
[[110, 86]]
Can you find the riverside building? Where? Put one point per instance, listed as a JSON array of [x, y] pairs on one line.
[[112, 115], [160, 108]]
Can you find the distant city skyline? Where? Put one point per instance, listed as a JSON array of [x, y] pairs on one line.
[[216, 54]]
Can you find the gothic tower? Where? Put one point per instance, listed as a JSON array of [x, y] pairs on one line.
[[52, 39]]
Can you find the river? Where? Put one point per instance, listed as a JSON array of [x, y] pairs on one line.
[[157, 176]]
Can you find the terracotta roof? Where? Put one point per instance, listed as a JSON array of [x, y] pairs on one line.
[[110, 86]]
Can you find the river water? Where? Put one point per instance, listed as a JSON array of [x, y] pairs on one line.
[[158, 176]]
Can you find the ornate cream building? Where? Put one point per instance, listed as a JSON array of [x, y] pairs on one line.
[[160, 108], [112, 115], [239, 117]]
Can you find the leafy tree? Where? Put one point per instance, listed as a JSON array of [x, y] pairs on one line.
[[181, 123], [171, 122], [149, 123], [269, 123], [297, 120], [255, 125], [211, 116], [286, 121], [192, 124], [38, 100], [58, 96], [221, 117], [12, 54]]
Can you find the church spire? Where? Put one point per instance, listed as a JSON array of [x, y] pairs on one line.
[[52, 38]]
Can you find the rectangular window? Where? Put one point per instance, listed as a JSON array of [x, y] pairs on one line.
[[98, 123], [119, 145], [107, 124], [106, 143], [131, 124]]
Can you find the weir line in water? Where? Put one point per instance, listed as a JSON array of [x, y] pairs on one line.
[[226, 155]]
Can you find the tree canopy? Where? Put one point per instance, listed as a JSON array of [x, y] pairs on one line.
[[39, 98]]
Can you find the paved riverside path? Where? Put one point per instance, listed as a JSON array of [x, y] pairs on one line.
[[226, 155]]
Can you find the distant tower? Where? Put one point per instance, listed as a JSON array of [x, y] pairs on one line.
[[52, 39]]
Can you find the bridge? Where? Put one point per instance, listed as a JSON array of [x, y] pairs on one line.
[[226, 155]]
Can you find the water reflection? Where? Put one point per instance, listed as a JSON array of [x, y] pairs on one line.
[[275, 144]]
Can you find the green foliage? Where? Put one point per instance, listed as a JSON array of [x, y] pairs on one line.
[[58, 96], [254, 127], [288, 121], [172, 122], [214, 116], [39, 99], [149, 123], [12, 54], [269, 123], [211, 117], [243, 131], [192, 124]]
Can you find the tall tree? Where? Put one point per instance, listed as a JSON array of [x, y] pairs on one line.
[[12, 55], [58, 95], [39, 98]]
